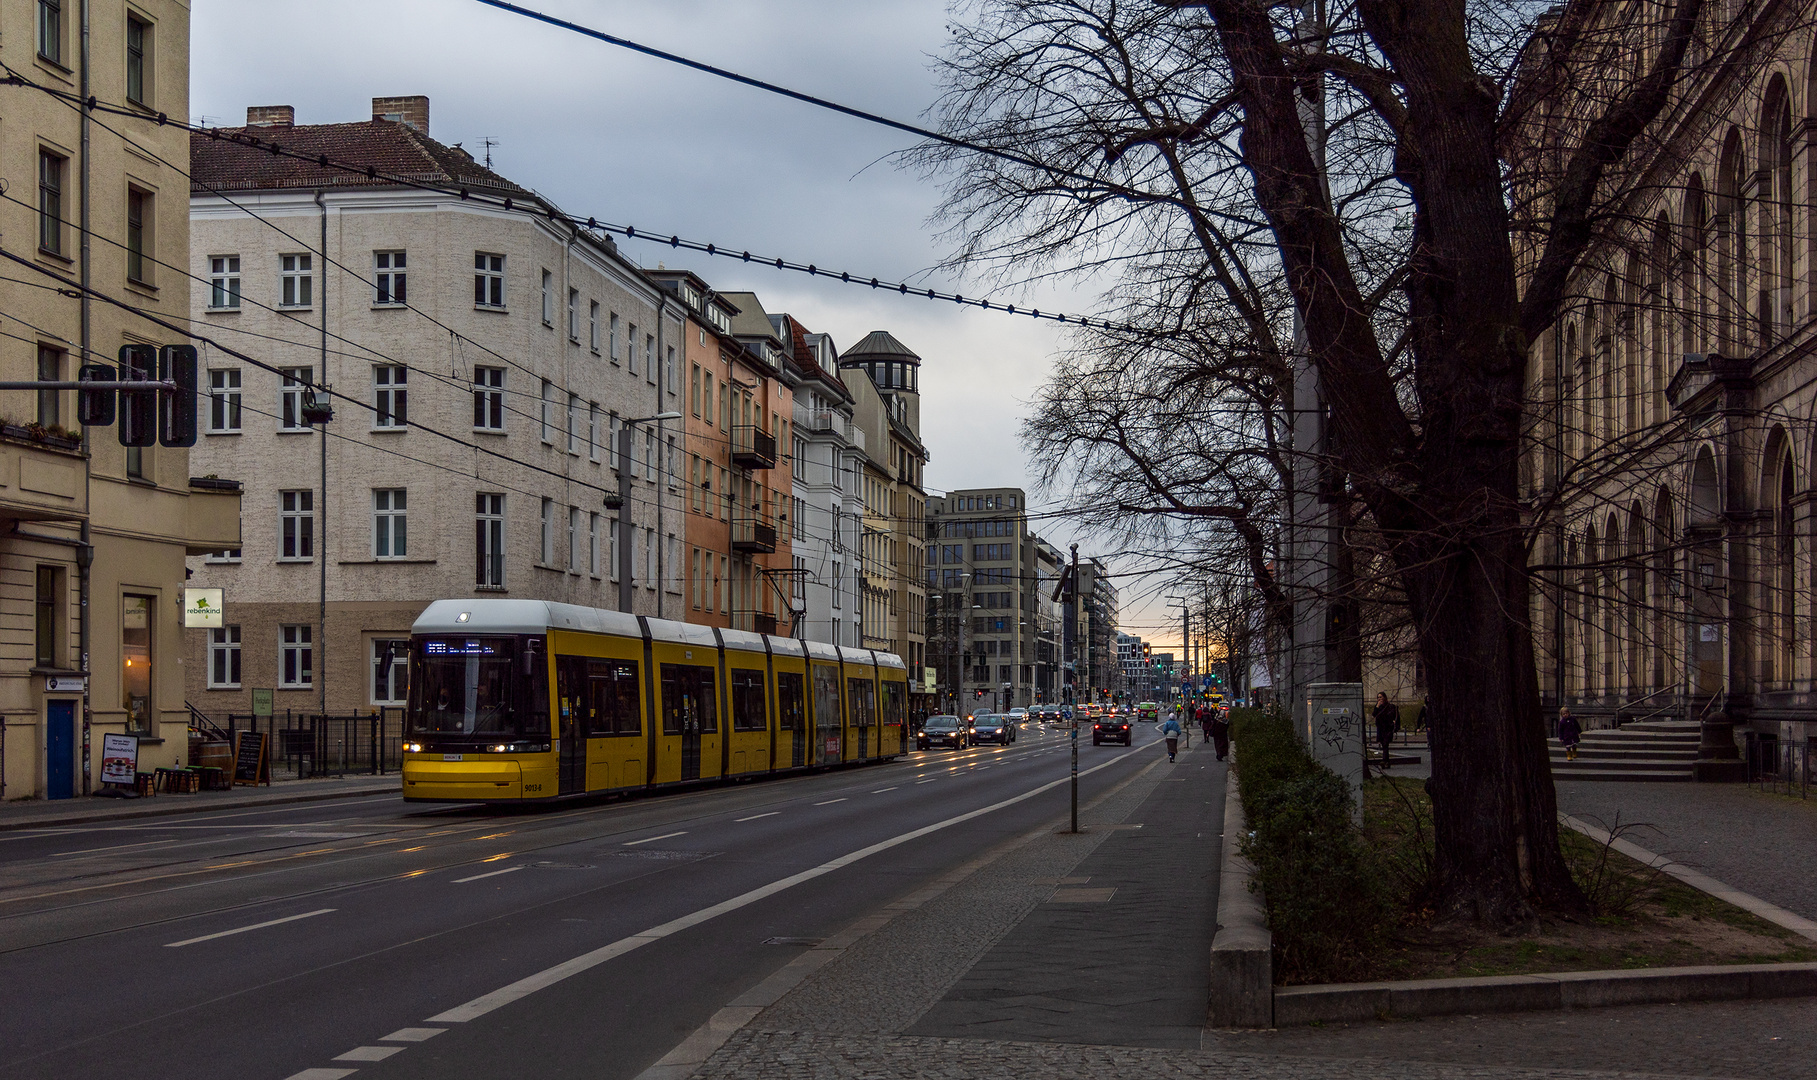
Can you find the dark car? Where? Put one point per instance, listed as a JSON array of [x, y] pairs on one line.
[[941, 731], [992, 728], [1111, 729]]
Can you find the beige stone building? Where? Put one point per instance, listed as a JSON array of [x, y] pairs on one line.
[[481, 361], [100, 203], [883, 376]]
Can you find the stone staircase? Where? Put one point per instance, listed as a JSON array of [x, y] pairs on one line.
[[1653, 750]]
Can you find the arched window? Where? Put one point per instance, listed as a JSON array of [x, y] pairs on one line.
[[1662, 358], [1631, 328], [1660, 594], [1732, 247], [1773, 307], [1692, 267]]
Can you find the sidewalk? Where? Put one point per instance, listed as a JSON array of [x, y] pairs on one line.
[[41, 813]]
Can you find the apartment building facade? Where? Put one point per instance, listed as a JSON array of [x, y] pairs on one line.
[[827, 453], [93, 535], [481, 356], [985, 617]]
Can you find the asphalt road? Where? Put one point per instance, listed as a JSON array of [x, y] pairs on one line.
[[407, 941]]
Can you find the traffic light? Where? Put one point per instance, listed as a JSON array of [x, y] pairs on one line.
[[138, 408], [96, 406], [177, 408]]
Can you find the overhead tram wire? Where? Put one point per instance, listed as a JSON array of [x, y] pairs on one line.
[[510, 205]]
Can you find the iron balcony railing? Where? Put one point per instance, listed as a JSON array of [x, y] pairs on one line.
[[753, 534], [753, 447]]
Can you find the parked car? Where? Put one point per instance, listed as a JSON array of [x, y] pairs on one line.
[[942, 731]]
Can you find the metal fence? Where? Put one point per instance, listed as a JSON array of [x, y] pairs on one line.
[[333, 744], [1783, 767]]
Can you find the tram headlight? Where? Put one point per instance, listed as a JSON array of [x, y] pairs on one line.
[[499, 748], [413, 747]]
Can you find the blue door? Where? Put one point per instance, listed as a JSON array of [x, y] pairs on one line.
[[60, 749]]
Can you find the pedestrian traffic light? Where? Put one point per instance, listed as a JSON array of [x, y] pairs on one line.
[[138, 408], [96, 406], [177, 407]]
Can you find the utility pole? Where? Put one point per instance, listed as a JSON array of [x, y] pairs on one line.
[[1071, 639]]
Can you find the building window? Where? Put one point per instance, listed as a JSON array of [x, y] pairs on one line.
[[223, 283], [50, 201], [488, 280], [612, 336], [548, 416], [546, 555], [224, 658], [390, 671], [50, 30], [612, 532], [290, 398], [223, 400], [296, 520], [296, 281], [489, 540], [548, 299], [390, 535], [135, 462], [593, 543], [574, 316], [138, 235], [391, 395], [631, 348], [592, 431], [612, 441], [50, 402], [136, 662], [48, 609], [650, 463], [391, 283], [649, 558], [296, 656], [574, 424], [694, 389], [593, 326], [489, 398], [138, 50], [650, 359], [668, 371], [574, 539]]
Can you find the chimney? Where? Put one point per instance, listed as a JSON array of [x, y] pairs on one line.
[[413, 110], [270, 116]]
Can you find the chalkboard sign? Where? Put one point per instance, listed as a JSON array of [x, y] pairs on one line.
[[249, 764]]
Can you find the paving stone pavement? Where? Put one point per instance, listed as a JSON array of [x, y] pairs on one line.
[[1760, 843]]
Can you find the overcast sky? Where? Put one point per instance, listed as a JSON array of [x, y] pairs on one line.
[[623, 137]]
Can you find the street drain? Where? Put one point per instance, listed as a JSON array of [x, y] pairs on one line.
[[804, 942]]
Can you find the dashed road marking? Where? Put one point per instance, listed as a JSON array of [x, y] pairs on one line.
[[244, 929], [881, 790], [494, 873], [369, 1053], [754, 817], [321, 1074], [413, 1034], [649, 839], [929, 780], [829, 802]]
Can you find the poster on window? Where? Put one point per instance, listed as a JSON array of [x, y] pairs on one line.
[[119, 759]]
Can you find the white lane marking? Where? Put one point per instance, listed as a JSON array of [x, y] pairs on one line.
[[754, 817], [117, 847], [321, 1074], [648, 839], [548, 977], [829, 802], [413, 1034], [370, 1053], [881, 790], [244, 929], [494, 873], [928, 780]]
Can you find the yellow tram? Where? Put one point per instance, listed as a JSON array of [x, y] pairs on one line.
[[521, 700]]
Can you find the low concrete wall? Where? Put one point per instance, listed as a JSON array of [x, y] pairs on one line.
[[1242, 952]]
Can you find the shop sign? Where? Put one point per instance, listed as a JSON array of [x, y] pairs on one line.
[[119, 759], [202, 607], [65, 684]]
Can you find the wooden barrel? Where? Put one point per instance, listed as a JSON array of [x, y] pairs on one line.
[[218, 755]]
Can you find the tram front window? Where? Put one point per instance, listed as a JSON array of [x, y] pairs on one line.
[[477, 692]]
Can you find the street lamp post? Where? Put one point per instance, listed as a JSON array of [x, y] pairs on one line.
[[625, 538]]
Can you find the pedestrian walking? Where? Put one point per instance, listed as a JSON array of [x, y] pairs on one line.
[[1207, 721], [1387, 722], [1570, 731], [1220, 733], [1171, 732]]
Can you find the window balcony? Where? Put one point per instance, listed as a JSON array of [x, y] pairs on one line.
[[756, 622], [753, 534], [753, 447]]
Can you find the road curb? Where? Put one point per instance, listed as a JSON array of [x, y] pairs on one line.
[[1242, 950], [1296, 1006], [129, 814]]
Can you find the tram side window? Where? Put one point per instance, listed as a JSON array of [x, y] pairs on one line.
[[895, 698], [689, 702], [826, 697], [612, 694], [748, 712], [863, 714], [791, 701]]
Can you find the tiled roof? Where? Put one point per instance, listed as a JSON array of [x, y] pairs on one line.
[[386, 146], [803, 356], [879, 344]]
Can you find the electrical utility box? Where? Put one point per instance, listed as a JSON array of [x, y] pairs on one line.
[[1333, 726]]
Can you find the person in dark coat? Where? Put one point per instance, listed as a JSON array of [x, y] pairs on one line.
[[1219, 729], [1387, 722], [1570, 731]]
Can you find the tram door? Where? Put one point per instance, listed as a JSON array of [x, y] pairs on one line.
[[859, 693], [690, 706], [791, 709], [571, 712], [827, 714]]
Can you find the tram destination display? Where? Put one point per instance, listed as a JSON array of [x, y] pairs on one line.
[[249, 764]]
